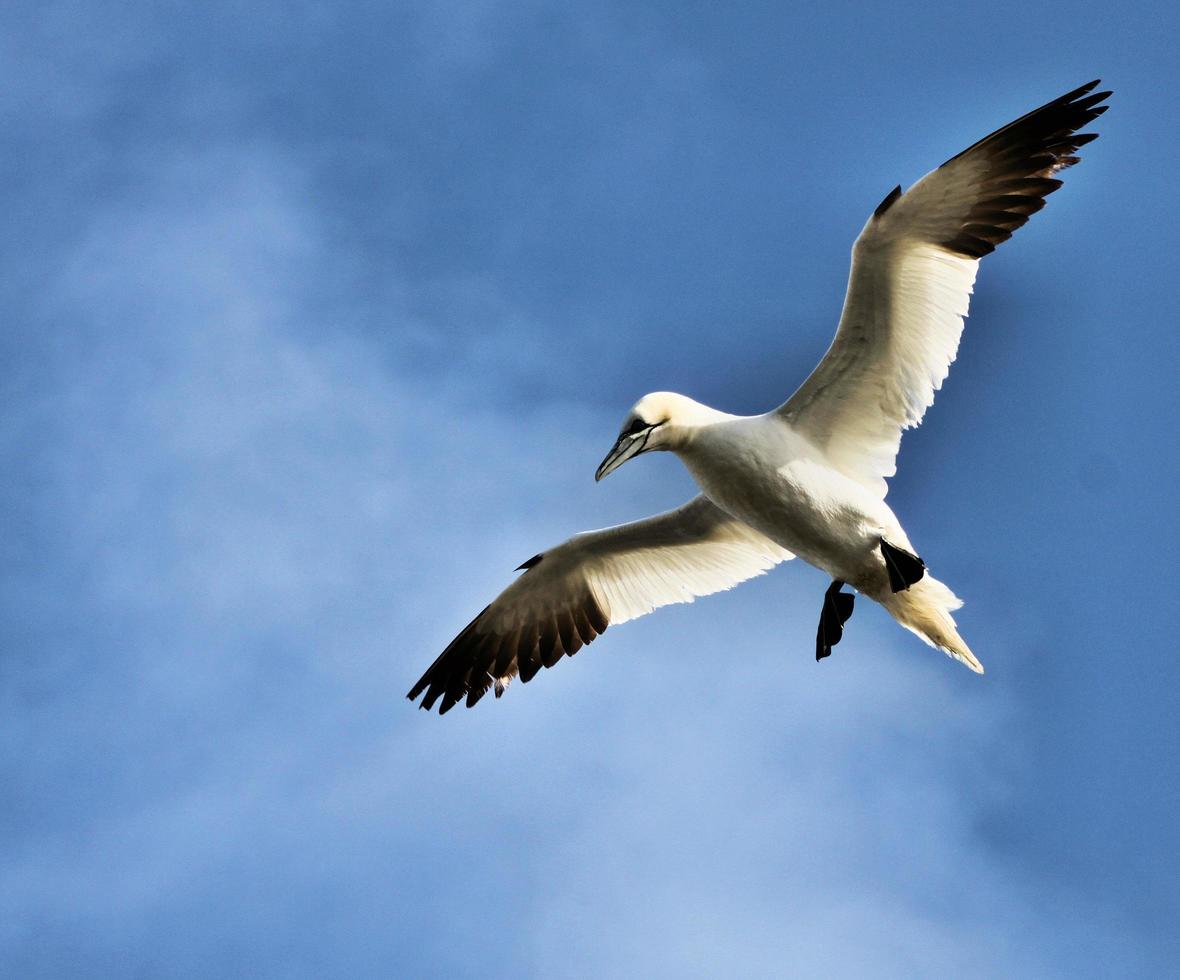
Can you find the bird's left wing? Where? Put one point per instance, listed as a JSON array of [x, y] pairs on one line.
[[568, 595], [913, 267]]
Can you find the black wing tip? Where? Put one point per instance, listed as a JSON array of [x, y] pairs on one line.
[[526, 565], [887, 203], [1022, 160], [1081, 90], [475, 663], [1063, 115]]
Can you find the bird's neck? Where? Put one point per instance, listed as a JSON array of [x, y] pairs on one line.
[[692, 422]]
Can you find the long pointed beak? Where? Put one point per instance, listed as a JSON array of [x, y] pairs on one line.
[[626, 447]]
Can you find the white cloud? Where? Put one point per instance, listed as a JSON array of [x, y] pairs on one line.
[[274, 526]]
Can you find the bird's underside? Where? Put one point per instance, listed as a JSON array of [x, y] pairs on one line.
[[913, 268], [903, 570]]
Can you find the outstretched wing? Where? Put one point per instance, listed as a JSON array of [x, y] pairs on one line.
[[570, 594], [913, 267]]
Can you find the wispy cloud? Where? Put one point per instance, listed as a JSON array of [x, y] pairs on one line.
[[284, 402]]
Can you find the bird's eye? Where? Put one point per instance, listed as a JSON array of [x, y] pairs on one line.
[[637, 426]]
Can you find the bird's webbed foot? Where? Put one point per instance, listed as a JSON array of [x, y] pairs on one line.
[[904, 569], [837, 609]]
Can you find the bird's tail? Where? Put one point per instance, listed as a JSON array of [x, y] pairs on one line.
[[925, 608]]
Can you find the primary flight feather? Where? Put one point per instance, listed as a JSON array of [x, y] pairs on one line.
[[808, 478]]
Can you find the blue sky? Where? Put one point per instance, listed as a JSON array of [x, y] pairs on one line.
[[318, 318]]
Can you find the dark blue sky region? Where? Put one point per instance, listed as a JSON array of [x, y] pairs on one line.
[[318, 318]]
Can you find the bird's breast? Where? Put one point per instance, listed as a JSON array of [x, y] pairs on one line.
[[797, 501]]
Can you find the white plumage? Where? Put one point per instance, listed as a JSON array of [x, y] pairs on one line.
[[809, 478], [903, 317]]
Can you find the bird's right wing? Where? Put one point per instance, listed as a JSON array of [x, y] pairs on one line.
[[568, 595], [913, 267]]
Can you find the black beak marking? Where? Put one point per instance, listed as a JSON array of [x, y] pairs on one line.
[[645, 434]]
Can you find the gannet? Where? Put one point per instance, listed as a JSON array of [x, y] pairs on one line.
[[807, 479]]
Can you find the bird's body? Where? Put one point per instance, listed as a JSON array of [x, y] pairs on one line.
[[760, 471], [809, 478]]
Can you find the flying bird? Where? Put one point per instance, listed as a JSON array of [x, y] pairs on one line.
[[808, 478]]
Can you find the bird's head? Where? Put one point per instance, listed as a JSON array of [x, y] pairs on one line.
[[661, 420]]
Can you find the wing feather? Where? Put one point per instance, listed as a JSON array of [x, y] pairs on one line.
[[568, 595], [913, 269]]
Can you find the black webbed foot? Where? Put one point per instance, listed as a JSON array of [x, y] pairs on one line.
[[837, 609], [904, 569]]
